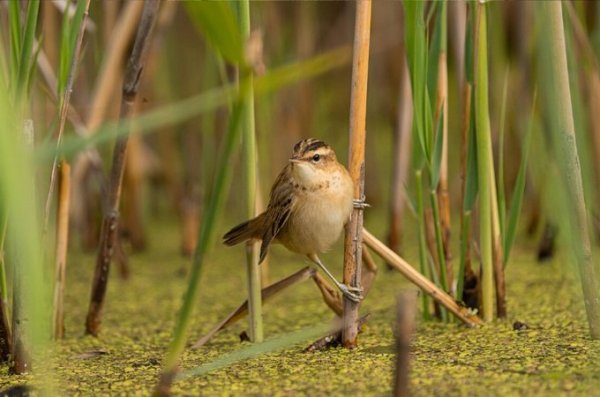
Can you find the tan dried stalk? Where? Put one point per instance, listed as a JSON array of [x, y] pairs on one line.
[[406, 308], [62, 240], [441, 107], [358, 113], [419, 280]]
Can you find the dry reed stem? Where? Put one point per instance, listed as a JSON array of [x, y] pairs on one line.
[[50, 31], [406, 308], [110, 70], [441, 108], [331, 295], [419, 280], [267, 293], [105, 86], [497, 250], [133, 189], [457, 28], [62, 241], [64, 108], [402, 155], [358, 113], [111, 215]]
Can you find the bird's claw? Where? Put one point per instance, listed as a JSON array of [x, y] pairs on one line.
[[360, 204], [352, 293]]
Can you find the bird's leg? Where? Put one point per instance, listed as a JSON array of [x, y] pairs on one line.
[[352, 293], [360, 203]]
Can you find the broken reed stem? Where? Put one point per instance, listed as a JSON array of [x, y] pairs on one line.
[[484, 163], [64, 109], [426, 285], [62, 240], [358, 113], [111, 213], [563, 127], [403, 331], [255, 323], [266, 294]]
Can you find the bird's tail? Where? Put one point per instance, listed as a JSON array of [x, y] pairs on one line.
[[244, 231]]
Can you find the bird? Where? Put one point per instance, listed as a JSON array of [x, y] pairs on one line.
[[310, 202]]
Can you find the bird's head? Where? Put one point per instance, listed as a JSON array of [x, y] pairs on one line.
[[312, 159]]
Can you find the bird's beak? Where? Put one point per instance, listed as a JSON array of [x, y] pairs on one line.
[[294, 160]]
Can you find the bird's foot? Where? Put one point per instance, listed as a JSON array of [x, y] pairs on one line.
[[352, 293], [360, 203]]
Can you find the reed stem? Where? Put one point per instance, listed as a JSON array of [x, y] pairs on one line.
[[358, 115], [484, 163], [563, 126], [255, 324]]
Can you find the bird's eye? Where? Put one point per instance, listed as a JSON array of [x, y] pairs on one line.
[[316, 158]]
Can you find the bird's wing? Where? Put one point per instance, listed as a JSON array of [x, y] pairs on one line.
[[279, 209]]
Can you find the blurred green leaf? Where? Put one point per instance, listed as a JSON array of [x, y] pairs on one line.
[[471, 184], [68, 41], [437, 151], [26, 57], [416, 54], [255, 350], [517, 197], [438, 44], [14, 21], [217, 22], [501, 194], [185, 109]]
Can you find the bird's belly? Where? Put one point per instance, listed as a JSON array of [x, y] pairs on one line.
[[316, 224]]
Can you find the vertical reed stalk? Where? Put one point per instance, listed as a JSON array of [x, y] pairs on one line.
[[563, 127], [205, 238], [465, 214], [484, 163], [62, 239], [403, 331], [28, 312], [356, 158], [497, 251], [110, 222], [422, 241], [441, 110], [255, 326]]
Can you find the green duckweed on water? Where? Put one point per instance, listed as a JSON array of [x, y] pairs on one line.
[[553, 356]]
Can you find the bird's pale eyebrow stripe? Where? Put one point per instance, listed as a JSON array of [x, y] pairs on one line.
[[314, 146]]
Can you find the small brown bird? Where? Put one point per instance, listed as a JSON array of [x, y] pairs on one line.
[[311, 201]]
